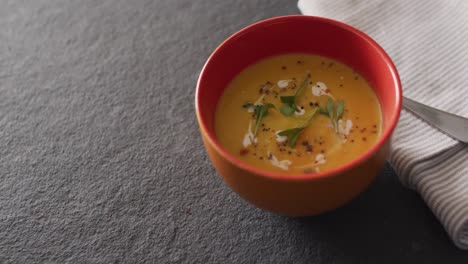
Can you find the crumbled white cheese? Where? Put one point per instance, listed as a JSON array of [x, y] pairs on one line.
[[320, 159], [282, 164], [344, 128], [280, 139], [249, 137], [320, 89], [299, 111], [282, 84]]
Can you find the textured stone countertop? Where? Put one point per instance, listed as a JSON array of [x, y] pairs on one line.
[[101, 159]]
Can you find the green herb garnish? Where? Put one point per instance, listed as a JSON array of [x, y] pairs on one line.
[[260, 112], [339, 110], [293, 133], [333, 113], [289, 106], [289, 102]]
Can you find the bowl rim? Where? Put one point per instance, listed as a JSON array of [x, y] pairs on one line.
[[211, 138]]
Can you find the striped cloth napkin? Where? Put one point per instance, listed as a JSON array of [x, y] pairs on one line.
[[428, 41]]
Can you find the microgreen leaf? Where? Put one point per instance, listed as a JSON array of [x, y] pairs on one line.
[[287, 132], [287, 110], [330, 108], [289, 102], [333, 114], [301, 88], [294, 136], [339, 110], [293, 133], [260, 112]]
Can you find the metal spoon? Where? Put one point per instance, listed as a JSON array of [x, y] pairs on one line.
[[452, 125]]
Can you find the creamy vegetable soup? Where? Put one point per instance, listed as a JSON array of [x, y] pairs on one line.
[[298, 113]]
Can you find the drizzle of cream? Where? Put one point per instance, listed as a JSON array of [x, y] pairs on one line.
[[344, 128], [299, 111], [282, 164], [283, 84], [280, 139], [320, 159], [249, 137], [320, 89]]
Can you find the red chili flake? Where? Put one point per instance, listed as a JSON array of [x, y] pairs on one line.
[[374, 126], [261, 158], [352, 140], [243, 151], [283, 67], [363, 130], [364, 138]]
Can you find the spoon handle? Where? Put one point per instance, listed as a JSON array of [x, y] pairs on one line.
[[452, 125]]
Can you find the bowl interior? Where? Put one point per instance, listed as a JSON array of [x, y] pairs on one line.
[[299, 34]]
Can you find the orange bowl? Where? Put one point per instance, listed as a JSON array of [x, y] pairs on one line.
[[304, 194]]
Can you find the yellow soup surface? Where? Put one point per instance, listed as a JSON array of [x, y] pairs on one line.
[[298, 113]]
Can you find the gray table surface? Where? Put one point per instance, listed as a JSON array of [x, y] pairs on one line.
[[101, 159]]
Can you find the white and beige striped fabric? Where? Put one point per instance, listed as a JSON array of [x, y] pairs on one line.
[[428, 41]]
